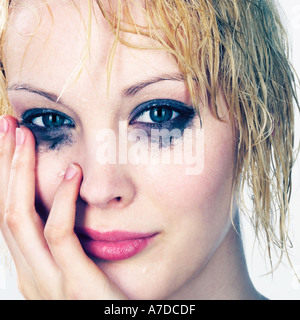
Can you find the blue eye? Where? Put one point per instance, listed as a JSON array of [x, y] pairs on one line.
[[51, 120], [162, 113], [157, 115], [51, 128], [165, 116], [46, 118]]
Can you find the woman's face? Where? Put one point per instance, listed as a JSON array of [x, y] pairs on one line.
[[181, 210]]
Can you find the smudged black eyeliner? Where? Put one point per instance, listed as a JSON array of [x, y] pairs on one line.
[[184, 120], [48, 138], [56, 136]]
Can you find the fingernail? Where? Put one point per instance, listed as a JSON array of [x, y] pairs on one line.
[[71, 172], [20, 137], [3, 125]]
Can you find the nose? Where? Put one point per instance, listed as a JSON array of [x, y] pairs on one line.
[[106, 185]]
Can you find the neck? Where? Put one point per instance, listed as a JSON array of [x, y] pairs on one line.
[[225, 276]]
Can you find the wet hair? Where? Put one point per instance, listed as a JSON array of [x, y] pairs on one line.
[[238, 49]]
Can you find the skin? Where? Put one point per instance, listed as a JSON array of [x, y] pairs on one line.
[[196, 253]]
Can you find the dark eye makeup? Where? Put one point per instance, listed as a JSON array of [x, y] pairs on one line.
[[54, 129], [51, 128], [164, 120], [162, 114]]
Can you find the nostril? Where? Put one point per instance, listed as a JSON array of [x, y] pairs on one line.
[[113, 193], [116, 202]]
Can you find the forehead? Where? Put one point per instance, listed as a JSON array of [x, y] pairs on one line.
[[47, 39]]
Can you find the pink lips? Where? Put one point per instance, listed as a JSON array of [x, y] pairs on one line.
[[114, 245]]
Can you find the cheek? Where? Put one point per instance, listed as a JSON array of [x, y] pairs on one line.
[[207, 193], [50, 170], [204, 198]]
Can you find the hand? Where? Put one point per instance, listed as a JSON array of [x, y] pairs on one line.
[[50, 261]]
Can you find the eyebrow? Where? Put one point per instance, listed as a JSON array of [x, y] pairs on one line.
[[29, 88], [130, 91]]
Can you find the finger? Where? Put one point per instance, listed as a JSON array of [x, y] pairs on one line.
[[82, 278], [24, 223], [8, 126], [59, 229], [22, 175], [26, 280]]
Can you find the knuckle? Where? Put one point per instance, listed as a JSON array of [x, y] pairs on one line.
[[17, 163], [55, 234], [21, 161], [12, 218], [3, 150]]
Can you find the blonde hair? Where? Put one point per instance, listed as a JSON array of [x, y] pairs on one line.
[[239, 48]]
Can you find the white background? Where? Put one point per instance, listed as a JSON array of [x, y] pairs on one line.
[[282, 284]]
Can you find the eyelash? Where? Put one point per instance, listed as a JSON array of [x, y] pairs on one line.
[[182, 113], [51, 137], [174, 114]]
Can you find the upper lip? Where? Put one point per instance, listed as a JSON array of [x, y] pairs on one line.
[[111, 236]]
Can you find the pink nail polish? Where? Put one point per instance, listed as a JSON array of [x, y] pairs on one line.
[[3, 125], [20, 137], [71, 172]]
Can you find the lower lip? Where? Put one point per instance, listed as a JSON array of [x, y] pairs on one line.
[[115, 250]]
